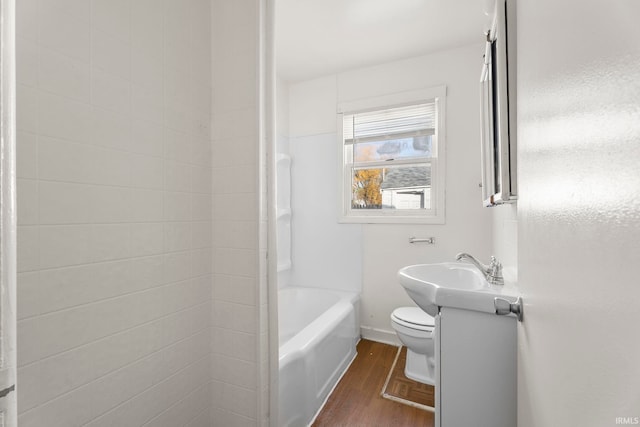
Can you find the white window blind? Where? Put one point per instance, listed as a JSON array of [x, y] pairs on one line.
[[393, 158], [392, 123]]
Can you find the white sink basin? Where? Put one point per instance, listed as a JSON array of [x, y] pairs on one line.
[[450, 284]]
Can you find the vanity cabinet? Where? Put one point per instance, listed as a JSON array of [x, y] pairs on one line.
[[476, 371]]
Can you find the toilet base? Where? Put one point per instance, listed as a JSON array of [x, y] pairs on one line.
[[418, 368]]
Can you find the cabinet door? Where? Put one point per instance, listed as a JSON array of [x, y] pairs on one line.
[[477, 369]]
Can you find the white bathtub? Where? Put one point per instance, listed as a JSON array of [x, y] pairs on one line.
[[318, 333]]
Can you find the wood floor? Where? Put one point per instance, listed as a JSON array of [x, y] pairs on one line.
[[402, 387], [356, 401]]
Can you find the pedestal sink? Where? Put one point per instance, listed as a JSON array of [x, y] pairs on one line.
[[451, 284], [475, 350]]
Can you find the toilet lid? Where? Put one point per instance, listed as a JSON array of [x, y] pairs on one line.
[[414, 316]]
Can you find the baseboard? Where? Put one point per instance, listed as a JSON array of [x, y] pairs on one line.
[[379, 335]]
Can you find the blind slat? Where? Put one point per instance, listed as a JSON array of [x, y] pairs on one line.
[[392, 121]]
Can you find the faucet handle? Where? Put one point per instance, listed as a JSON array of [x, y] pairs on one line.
[[504, 307], [494, 272]]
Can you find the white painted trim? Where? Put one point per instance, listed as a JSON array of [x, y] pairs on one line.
[[435, 215], [269, 145], [8, 221], [392, 100], [380, 335]]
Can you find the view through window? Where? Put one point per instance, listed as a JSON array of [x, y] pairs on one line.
[[389, 158]]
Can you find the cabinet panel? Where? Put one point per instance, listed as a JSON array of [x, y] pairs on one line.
[[477, 369]]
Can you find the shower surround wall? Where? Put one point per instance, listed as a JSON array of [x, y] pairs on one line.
[[282, 186], [115, 217], [240, 345]]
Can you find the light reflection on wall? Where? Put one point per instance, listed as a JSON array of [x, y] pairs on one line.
[[583, 153]]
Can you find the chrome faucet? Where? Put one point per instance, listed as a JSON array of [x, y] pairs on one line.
[[491, 272]]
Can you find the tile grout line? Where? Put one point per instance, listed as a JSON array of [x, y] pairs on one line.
[[120, 368], [115, 334]]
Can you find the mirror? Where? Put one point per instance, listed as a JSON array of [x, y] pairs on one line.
[[498, 109]]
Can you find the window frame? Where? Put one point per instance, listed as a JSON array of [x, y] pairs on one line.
[[436, 213]]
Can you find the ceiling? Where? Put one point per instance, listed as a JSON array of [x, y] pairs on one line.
[[320, 37]]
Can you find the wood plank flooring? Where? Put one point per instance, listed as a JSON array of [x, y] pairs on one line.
[[402, 387], [356, 401]]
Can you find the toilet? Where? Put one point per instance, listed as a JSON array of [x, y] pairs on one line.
[[415, 330]]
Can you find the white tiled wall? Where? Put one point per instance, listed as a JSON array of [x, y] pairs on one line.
[[239, 342], [114, 198]]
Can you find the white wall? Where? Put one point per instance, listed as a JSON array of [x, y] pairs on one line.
[[240, 350], [283, 185], [505, 239], [114, 194], [578, 212], [325, 254], [282, 116], [348, 255]]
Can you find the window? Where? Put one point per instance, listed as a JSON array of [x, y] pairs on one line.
[[393, 158]]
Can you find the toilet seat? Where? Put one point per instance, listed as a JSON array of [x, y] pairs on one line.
[[413, 318]]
